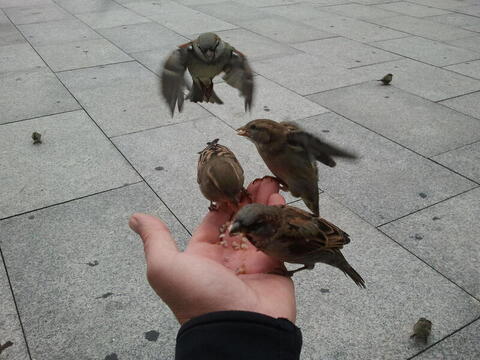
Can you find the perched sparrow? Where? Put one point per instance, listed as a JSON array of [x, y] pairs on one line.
[[205, 58], [387, 79], [292, 235], [36, 137], [220, 175], [422, 329], [290, 154]]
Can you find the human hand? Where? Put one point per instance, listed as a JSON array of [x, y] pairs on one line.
[[203, 278]]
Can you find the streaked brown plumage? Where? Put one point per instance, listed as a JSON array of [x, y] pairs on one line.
[[422, 329], [220, 175], [205, 57], [291, 154], [36, 137], [295, 236]]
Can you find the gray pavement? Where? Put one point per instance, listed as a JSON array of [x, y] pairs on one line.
[[84, 73]]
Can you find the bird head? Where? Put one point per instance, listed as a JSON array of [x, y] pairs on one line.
[[256, 220], [208, 46], [259, 131]]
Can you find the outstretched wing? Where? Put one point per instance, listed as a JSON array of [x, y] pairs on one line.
[[320, 150], [239, 75], [172, 79]]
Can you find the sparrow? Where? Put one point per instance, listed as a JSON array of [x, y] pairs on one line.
[[292, 235], [205, 57], [36, 137], [422, 329], [291, 153], [220, 176], [387, 79]]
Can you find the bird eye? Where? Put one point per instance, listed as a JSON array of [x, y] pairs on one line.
[[253, 127]]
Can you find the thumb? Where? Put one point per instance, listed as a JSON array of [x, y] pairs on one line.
[[158, 243]]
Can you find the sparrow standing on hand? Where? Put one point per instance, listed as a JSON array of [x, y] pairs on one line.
[[205, 58], [422, 329], [387, 79], [292, 235], [220, 175], [291, 153]]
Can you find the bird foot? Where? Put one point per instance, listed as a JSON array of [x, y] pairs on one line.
[[289, 273], [213, 207]]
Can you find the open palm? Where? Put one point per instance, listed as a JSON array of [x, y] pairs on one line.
[[209, 276]]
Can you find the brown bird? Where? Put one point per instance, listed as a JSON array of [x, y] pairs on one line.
[[205, 57], [220, 175], [422, 329], [291, 153], [295, 236], [387, 79], [36, 137]]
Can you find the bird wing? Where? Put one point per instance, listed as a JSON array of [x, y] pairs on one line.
[[173, 80], [239, 75], [316, 148]]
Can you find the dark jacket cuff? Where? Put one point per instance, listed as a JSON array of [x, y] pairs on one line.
[[232, 335]]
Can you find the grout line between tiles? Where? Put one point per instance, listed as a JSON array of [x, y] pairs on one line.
[[457, 96], [96, 66], [40, 116], [16, 305]]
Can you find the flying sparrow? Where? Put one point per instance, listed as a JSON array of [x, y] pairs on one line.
[[291, 153], [205, 57], [292, 235]]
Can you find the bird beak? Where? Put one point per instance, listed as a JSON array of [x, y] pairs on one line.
[[210, 54], [242, 132], [234, 229]]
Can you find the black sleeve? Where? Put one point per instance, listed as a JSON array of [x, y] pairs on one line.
[[234, 335]]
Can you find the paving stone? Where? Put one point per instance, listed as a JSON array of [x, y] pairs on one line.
[[179, 18], [469, 68], [74, 160], [473, 10], [255, 46], [365, 185], [19, 57], [421, 125], [36, 14], [16, 3], [284, 30], [154, 59], [471, 43], [345, 52], [353, 28], [32, 93], [410, 9], [9, 35], [341, 321], [445, 4], [359, 11], [475, 27], [271, 101], [10, 329], [428, 234], [456, 19], [424, 80], [57, 32], [315, 75], [423, 27], [86, 6], [107, 308], [124, 98], [462, 345], [3, 18], [141, 37], [297, 12], [78, 54], [429, 51], [467, 104], [112, 18], [231, 11], [146, 151]]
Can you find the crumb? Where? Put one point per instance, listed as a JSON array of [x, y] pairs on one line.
[[223, 243], [244, 243], [235, 245], [240, 270]]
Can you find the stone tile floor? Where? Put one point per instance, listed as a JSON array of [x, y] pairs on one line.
[[85, 72]]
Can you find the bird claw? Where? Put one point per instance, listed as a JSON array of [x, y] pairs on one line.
[[213, 207]]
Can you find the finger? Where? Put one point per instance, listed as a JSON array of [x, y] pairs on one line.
[[268, 186], [276, 199], [209, 228], [253, 187], [158, 244]]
